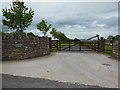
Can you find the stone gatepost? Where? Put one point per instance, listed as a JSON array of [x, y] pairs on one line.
[[116, 47], [102, 44]]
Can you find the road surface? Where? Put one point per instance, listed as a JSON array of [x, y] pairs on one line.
[[83, 68], [10, 81]]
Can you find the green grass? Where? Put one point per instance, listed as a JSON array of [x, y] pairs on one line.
[[108, 52], [54, 49], [108, 48], [61, 44]]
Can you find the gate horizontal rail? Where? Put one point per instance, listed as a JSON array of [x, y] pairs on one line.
[[76, 45]]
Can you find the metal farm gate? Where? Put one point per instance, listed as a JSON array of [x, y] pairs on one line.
[[91, 44]]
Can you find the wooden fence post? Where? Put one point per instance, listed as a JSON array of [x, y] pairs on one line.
[[102, 44], [50, 44]]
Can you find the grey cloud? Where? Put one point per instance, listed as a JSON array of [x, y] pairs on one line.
[[75, 15], [83, 19], [87, 20], [110, 22]]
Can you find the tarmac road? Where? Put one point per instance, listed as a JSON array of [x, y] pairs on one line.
[[82, 68], [10, 81]]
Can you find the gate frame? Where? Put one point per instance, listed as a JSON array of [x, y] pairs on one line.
[[58, 44]]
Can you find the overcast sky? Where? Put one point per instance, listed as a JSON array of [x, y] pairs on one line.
[[76, 19]]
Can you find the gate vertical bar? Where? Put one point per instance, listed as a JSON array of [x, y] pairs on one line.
[[59, 45], [98, 42], [80, 44], [69, 45]]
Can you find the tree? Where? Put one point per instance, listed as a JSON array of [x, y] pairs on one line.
[[61, 36], [30, 34], [54, 33], [18, 17], [110, 37], [58, 35], [76, 40], [42, 26]]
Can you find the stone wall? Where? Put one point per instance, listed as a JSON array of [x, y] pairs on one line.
[[116, 47], [15, 48]]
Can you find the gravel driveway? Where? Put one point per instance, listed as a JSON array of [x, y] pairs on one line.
[[83, 68]]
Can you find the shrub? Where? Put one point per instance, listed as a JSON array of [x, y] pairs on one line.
[[76, 40], [1, 33], [18, 33], [30, 34]]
